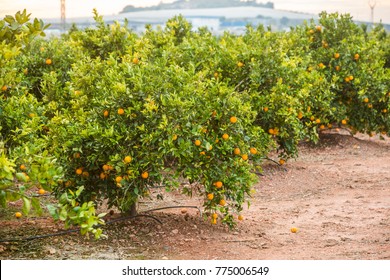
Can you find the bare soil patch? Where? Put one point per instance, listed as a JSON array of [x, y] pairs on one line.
[[337, 193]]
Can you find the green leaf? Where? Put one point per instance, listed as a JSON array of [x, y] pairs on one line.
[[36, 205], [26, 205]]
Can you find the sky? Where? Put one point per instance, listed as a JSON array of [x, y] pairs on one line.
[[359, 9]]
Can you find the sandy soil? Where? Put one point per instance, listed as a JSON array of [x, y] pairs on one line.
[[336, 193]]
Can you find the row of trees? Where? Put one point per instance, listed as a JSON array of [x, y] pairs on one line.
[[104, 115]]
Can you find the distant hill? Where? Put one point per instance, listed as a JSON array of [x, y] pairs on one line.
[[198, 4]]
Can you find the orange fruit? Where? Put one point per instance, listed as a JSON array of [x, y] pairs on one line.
[[210, 196], [318, 121], [312, 118], [322, 127], [135, 60], [336, 55], [344, 122], [225, 136], [18, 215], [271, 131], [240, 64], [214, 221], [337, 67], [318, 28], [369, 105], [282, 161], [294, 230], [351, 78], [237, 151], [103, 176], [233, 119], [127, 159], [197, 142], [321, 65], [85, 174], [330, 125], [244, 157], [300, 115], [253, 151], [265, 109], [174, 137], [222, 202], [106, 113], [240, 217], [79, 171], [347, 79], [214, 216], [48, 61], [22, 167], [366, 100], [41, 191], [118, 179], [218, 184], [202, 153], [384, 111], [217, 140], [4, 88], [356, 56], [145, 175], [106, 167], [121, 111]]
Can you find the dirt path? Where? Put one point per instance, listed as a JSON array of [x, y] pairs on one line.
[[337, 194]]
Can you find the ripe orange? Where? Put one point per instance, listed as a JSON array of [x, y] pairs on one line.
[[318, 28], [318, 121], [337, 67], [106, 167], [127, 159], [222, 202], [225, 136], [356, 56], [174, 137], [300, 115], [103, 176], [322, 127], [118, 179], [271, 131], [214, 216], [240, 64], [312, 118], [41, 191], [336, 55], [265, 109], [253, 151], [294, 230], [48, 61], [135, 60], [233, 119], [240, 217], [202, 153], [22, 167], [244, 157], [106, 113], [366, 100], [214, 221], [351, 78], [384, 111], [210, 196], [321, 65], [218, 184], [347, 79], [330, 125], [237, 151], [145, 175], [197, 142], [79, 171], [369, 105], [282, 161], [4, 88], [344, 122], [18, 215], [121, 111]]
